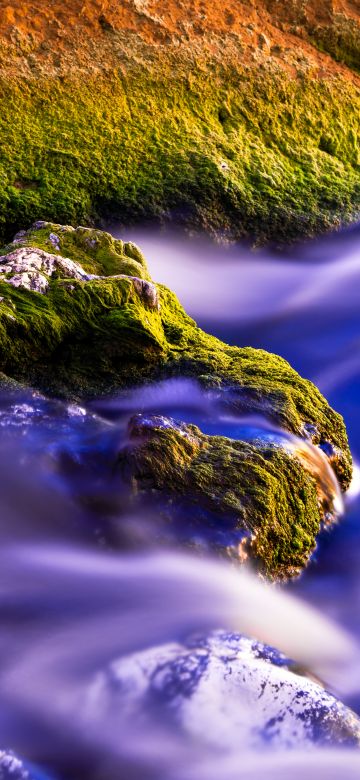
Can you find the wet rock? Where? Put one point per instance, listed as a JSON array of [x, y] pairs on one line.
[[102, 324], [147, 292], [31, 266], [224, 691], [262, 497]]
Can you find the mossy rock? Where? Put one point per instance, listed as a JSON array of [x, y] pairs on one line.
[[235, 151], [98, 334], [97, 251], [256, 498]]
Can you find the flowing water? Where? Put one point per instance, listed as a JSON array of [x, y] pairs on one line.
[[83, 578]]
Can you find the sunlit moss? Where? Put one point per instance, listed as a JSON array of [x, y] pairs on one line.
[[230, 150]]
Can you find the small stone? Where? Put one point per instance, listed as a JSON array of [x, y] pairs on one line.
[[19, 237], [39, 224], [147, 292], [91, 242], [54, 240], [264, 42], [11, 768]]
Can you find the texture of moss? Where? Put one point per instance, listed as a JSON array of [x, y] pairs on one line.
[[221, 147], [254, 487], [86, 338], [96, 251]]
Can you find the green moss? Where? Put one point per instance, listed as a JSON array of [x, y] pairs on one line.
[[87, 338], [96, 251], [254, 488], [153, 143]]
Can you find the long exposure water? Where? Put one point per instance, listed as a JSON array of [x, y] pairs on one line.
[[305, 306], [83, 579]]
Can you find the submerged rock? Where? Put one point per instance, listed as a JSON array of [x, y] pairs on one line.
[[101, 324], [263, 498], [223, 691]]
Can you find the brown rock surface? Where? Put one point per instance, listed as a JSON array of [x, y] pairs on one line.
[[62, 34]]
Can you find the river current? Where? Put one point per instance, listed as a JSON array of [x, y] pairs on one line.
[[83, 580]]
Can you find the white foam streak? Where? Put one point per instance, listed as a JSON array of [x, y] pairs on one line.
[[215, 283], [115, 606]]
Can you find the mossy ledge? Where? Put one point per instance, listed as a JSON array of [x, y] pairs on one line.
[[241, 119], [108, 327], [219, 149]]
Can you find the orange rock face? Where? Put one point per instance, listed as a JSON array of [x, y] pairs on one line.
[[273, 25]]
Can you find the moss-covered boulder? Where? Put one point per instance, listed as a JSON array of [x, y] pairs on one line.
[[240, 119], [264, 498], [98, 324]]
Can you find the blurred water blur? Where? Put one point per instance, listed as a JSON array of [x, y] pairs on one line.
[[81, 579], [304, 305]]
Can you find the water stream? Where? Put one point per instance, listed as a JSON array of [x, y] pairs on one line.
[[83, 581]]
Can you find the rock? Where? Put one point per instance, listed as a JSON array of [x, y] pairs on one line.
[[146, 290], [264, 42], [280, 189], [31, 266], [13, 769], [54, 240], [30, 281], [223, 691], [263, 498], [113, 328]]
